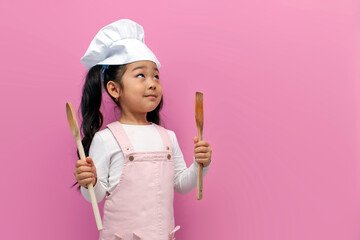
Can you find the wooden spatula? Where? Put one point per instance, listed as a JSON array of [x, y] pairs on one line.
[[199, 117], [74, 127]]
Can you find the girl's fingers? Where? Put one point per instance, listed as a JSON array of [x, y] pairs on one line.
[[82, 169], [81, 163], [202, 160], [202, 143], [85, 175], [202, 155], [205, 162], [89, 160], [85, 182], [202, 150], [85, 172]]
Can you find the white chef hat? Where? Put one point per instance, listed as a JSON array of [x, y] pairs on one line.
[[118, 43]]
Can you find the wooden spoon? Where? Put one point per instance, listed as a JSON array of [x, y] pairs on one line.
[[199, 117], [74, 127]]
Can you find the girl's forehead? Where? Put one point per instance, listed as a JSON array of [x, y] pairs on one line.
[[142, 65]]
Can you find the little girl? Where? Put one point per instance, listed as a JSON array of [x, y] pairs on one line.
[[134, 163]]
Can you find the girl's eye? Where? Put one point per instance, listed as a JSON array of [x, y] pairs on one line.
[[157, 77], [141, 75]]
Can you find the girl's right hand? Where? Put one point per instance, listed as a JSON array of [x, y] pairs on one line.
[[85, 172]]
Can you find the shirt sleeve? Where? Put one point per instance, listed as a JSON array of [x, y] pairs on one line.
[[99, 155], [185, 178]]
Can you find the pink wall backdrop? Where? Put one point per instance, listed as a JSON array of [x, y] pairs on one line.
[[282, 112]]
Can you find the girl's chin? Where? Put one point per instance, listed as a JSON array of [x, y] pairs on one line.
[[152, 109]]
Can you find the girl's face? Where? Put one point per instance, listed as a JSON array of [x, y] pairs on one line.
[[142, 90]]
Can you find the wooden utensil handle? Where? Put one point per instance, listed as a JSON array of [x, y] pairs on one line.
[[200, 182], [91, 189], [200, 173], [80, 149], [95, 207]]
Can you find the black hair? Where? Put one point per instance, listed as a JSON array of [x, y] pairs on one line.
[[92, 118]]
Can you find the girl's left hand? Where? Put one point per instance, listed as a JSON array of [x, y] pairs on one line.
[[202, 152]]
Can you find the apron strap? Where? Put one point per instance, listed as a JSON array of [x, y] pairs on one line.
[[165, 137], [119, 133]]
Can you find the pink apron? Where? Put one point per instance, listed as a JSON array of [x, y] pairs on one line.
[[141, 206]]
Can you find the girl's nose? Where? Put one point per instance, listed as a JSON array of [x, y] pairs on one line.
[[152, 84]]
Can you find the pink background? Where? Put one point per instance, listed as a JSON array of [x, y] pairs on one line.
[[281, 91]]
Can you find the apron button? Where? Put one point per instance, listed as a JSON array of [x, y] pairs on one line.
[[167, 148], [131, 158], [168, 156]]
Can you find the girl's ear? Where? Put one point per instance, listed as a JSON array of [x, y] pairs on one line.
[[114, 89]]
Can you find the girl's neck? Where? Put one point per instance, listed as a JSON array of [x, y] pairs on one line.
[[134, 119]]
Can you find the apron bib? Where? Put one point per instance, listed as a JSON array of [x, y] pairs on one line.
[[141, 206]]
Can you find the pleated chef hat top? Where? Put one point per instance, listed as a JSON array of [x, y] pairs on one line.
[[118, 43]]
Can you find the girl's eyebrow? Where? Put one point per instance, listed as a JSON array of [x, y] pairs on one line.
[[141, 67]]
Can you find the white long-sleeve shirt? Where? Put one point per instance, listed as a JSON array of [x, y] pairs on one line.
[[109, 159]]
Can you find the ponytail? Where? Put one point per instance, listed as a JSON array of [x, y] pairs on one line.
[[92, 119]]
